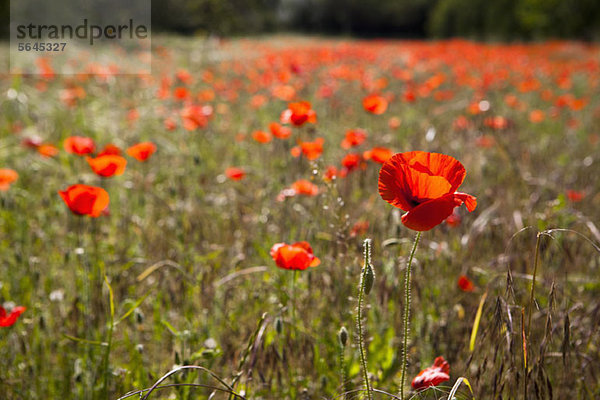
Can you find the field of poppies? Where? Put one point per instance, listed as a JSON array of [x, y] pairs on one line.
[[303, 218]]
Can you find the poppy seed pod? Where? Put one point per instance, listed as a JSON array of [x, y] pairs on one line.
[[343, 336], [369, 278]]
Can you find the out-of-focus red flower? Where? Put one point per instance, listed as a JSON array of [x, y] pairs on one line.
[[351, 161], [297, 256], [575, 195], [330, 173], [465, 284], [311, 150], [257, 101], [141, 151], [424, 185], [195, 116], [85, 200], [181, 93], [300, 187], [439, 372], [47, 150], [298, 114], [10, 319], [109, 149], [262, 136], [170, 124], [536, 116], [7, 177], [184, 76], [354, 137], [305, 188], [453, 220], [283, 92], [359, 228], [280, 132], [378, 154], [375, 104], [235, 173], [133, 115], [485, 141], [108, 165], [394, 123], [79, 145], [497, 123], [461, 123], [32, 142]]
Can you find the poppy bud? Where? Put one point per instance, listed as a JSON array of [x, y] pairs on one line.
[[368, 272], [139, 316], [369, 278], [278, 325], [343, 336]]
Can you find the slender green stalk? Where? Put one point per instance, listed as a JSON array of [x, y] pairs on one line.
[[111, 326], [343, 339], [364, 288], [535, 267], [293, 299], [406, 316]]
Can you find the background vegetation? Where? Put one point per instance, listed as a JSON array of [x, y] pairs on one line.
[[481, 19]]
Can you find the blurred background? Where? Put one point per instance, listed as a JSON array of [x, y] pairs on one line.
[[475, 19]]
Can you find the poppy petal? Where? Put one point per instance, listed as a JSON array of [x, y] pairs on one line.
[[429, 214], [436, 164], [470, 201]]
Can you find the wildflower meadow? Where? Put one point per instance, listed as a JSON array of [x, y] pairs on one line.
[[297, 217]]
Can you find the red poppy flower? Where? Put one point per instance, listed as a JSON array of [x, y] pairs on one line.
[[330, 173], [107, 165], [375, 104], [195, 116], [394, 123], [465, 284], [85, 200], [297, 256], [439, 372], [536, 116], [298, 114], [47, 150], [280, 132], [354, 137], [424, 185], [300, 187], [262, 136], [351, 161], [575, 195], [359, 228], [142, 151], [378, 154], [235, 174], [79, 145], [10, 319], [7, 177], [453, 220], [311, 150], [181, 93], [110, 149], [305, 187]]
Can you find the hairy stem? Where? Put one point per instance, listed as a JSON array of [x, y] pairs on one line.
[[359, 317], [406, 316]]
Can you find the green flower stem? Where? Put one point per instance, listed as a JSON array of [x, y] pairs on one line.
[[406, 316], [359, 318]]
